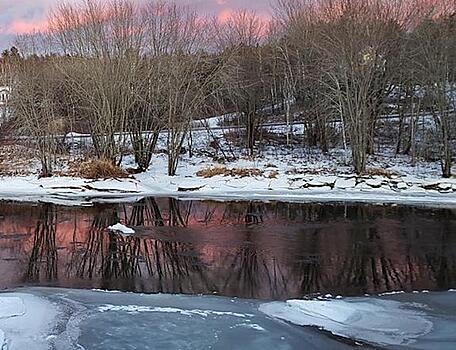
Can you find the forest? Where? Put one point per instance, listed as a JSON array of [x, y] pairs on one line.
[[359, 75]]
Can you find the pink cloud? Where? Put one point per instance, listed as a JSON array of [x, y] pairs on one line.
[[20, 26], [26, 16], [225, 15]]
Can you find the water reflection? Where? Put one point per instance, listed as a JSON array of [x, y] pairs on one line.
[[43, 255], [247, 249]]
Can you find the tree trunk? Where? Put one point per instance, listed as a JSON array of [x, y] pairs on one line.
[[251, 133], [446, 151], [399, 134]]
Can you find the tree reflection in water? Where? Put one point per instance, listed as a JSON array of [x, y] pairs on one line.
[[250, 267], [248, 249], [43, 255]]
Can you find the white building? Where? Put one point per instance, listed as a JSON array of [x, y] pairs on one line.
[[4, 94]]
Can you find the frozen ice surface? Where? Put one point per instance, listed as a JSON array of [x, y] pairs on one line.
[[394, 321], [26, 322], [45, 318], [120, 321], [384, 322]]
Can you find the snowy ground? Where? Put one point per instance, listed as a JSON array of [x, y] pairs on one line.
[[291, 180], [42, 318], [284, 174]]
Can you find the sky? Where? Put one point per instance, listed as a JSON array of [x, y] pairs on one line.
[[24, 16]]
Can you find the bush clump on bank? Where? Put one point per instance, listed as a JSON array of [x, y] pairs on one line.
[[240, 172], [98, 169]]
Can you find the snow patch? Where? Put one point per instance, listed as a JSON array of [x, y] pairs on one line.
[[402, 186], [121, 228], [196, 312], [375, 183], [11, 307], [383, 322], [254, 326], [26, 322], [392, 293]]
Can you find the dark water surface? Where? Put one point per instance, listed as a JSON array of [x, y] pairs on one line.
[[245, 249]]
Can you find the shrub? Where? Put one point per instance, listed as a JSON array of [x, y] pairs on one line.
[[241, 172], [98, 169], [211, 172], [380, 172]]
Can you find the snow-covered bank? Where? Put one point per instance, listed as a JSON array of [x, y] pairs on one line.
[[276, 173], [284, 187]]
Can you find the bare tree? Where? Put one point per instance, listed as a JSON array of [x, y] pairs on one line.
[[35, 102], [244, 78], [180, 71], [103, 42], [356, 41], [436, 59], [146, 117]]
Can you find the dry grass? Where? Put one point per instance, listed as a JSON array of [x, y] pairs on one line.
[[97, 169], [223, 171], [241, 172], [380, 172], [211, 172]]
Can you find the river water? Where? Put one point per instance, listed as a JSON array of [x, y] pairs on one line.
[[255, 250]]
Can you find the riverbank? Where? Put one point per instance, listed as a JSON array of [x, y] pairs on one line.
[[277, 172], [261, 179]]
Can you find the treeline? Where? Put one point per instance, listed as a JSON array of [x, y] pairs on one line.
[[338, 66]]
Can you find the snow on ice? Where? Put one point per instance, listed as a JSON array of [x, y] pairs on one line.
[[122, 229], [384, 322], [26, 322], [137, 309]]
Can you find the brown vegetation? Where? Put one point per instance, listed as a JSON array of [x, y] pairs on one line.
[[97, 169], [380, 172], [234, 172]]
